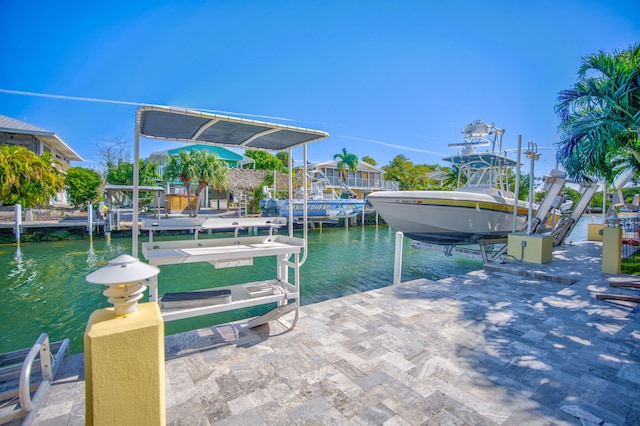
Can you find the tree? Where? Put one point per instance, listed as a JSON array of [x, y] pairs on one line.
[[122, 174], [209, 171], [283, 156], [199, 167], [83, 185], [182, 168], [346, 162], [452, 175], [600, 117], [26, 178], [111, 152], [369, 160], [397, 170], [265, 160], [417, 177]]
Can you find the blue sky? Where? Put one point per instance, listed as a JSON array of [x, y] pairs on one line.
[[382, 77]]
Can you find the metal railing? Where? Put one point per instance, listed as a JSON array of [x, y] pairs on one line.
[[47, 368], [364, 183], [630, 244]]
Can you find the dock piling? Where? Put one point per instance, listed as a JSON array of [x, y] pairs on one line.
[[397, 262]]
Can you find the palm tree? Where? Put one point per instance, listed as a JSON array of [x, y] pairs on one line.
[[199, 167], [398, 170], [182, 167], [600, 117], [370, 160], [452, 175], [346, 162], [210, 171]]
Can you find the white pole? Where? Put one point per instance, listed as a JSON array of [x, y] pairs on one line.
[[136, 184], [17, 213], [90, 219], [397, 262], [532, 154], [516, 190]]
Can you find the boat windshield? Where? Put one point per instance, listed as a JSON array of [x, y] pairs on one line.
[[490, 181]]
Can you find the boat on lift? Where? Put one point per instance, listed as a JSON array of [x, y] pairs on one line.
[[317, 208], [480, 210], [321, 205]]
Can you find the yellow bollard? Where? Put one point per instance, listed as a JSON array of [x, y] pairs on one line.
[[124, 367], [611, 250], [124, 350]]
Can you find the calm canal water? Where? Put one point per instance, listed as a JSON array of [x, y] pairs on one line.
[[43, 286]]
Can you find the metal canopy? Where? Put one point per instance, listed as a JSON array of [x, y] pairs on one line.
[[183, 125], [481, 160]]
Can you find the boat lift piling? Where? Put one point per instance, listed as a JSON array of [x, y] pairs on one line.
[[397, 262], [17, 214]]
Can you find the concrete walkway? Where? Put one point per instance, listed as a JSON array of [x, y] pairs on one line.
[[513, 344]]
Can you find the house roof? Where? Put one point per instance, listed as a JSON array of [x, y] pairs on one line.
[[222, 153], [362, 165], [11, 125]]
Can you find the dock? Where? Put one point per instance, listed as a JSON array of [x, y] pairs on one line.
[[511, 344]]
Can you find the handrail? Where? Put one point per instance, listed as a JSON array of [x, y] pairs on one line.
[[41, 346], [48, 366]]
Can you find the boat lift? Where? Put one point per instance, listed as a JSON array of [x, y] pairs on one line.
[[494, 250]]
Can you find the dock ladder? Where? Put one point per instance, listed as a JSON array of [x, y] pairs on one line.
[[20, 378]]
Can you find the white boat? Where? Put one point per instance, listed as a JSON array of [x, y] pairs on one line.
[[320, 205], [481, 210], [316, 208]]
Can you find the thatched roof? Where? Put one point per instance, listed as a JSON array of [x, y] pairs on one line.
[[250, 180]]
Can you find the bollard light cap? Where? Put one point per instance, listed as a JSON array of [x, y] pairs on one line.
[[122, 269]]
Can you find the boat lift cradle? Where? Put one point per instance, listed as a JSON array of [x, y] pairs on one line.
[[189, 126]]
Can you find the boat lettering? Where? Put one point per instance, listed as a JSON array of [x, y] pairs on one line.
[[408, 201]]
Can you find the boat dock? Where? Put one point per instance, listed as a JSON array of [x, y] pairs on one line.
[[512, 344]]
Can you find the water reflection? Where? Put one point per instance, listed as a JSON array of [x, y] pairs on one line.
[[92, 259], [43, 286], [19, 269]]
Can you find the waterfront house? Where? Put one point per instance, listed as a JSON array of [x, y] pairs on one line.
[[356, 184], [38, 140]]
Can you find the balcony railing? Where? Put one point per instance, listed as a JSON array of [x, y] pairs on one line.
[[364, 183]]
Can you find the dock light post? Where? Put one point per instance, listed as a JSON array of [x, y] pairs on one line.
[[124, 350], [612, 215], [533, 155], [123, 275]]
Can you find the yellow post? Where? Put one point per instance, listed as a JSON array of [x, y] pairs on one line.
[[594, 231], [124, 367], [611, 250]]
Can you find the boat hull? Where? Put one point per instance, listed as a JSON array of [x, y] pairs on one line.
[[316, 209], [449, 217]]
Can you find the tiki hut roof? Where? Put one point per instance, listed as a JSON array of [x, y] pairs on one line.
[[250, 179]]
